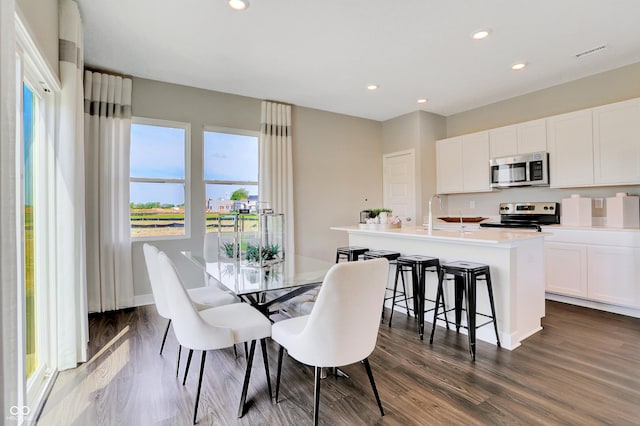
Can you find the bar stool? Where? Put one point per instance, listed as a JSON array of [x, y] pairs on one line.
[[418, 266], [466, 274], [391, 256], [350, 253]]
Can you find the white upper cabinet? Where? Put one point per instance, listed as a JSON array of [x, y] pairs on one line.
[[616, 143], [570, 142], [518, 139], [449, 165], [532, 136], [463, 164], [475, 163]]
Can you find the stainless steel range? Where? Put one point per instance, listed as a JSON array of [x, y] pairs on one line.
[[527, 215]]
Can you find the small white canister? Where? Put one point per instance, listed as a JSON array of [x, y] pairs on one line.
[[623, 211]]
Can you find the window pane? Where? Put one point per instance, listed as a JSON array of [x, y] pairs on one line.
[[157, 209], [230, 157], [28, 227], [219, 201], [157, 152]]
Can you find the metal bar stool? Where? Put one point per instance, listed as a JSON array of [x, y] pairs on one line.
[[418, 266], [466, 274], [350, 253], [391, 256]]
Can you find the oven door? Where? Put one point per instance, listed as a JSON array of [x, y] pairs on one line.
[[508, 174]]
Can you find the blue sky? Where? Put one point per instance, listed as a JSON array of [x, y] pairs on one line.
[[158, 152]]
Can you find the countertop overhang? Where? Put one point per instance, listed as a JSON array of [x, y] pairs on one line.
[[467, 236]]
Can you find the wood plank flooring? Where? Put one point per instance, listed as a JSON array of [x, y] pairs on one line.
[[582, 369]]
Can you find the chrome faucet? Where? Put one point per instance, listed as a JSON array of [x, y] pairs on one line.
[[430, 224]]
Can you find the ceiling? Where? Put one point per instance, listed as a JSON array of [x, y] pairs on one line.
[[323, 53]]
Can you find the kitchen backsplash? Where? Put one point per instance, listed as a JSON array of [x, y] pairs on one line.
[[486, 204]]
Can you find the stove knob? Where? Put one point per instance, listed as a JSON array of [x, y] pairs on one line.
[[546, 207]]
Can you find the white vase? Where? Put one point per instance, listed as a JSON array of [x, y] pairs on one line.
[[383, 217]]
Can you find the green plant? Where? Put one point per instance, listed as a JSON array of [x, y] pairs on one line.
[[229, 248], [375, 212], [268, 252]]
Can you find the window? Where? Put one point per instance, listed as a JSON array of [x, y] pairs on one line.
[[158, 185], [36, 101], [230, 173]]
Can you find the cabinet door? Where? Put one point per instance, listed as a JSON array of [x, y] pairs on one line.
[[532, 136], [503, 142], [566, 269], [570, 139], [613, 275], [449, 165], [475, 162], [616, 143]]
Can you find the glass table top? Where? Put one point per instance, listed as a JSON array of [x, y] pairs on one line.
[[243, 279]]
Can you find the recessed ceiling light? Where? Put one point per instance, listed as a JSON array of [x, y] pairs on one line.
[[422, 101], [238, 4], [480, 34], [518, 66], [372, 86]]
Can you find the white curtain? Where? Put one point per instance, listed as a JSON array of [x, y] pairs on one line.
[[8, 214], [72, 328], [107, 137], [276, 165]]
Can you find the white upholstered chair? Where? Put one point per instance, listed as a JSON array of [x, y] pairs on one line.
[[342, 328], [202, 297], [214, 328]]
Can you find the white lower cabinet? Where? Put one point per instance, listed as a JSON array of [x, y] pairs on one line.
[[601, 266], [566, 269], [613, 274]]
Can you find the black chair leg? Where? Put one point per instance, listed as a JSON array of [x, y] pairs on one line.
[[373, 384], [247, 376], [186, 370], [164, 338], [263, 344], [178, 363], [195, 410], [280, 356], [316, 396]]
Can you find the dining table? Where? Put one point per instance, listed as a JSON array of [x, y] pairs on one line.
[[264, 286]]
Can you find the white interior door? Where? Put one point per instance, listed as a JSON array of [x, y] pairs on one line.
[[399, 180]]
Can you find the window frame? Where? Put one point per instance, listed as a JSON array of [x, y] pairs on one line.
[[186, 182], [229, 131]]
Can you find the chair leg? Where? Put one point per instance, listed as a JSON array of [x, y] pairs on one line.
[[395, 289], [373, 384], [178, 363], [164, 338], [280, 356], [247, 376], [493, 308], [316, 396], [263, 344], [195, 409], [186, 370]]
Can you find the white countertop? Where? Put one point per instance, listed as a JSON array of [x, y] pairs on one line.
[[478, 236]]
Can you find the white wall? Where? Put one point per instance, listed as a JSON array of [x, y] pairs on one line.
[[418, 130], [41, 18], [337, 172]]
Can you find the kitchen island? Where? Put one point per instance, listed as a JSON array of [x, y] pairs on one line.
[[517, 266]]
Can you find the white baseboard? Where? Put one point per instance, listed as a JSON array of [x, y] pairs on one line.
[[622, 310]]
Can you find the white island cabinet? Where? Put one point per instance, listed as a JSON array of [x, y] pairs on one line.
[[516, 259]]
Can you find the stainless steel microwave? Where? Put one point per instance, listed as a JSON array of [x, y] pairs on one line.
[[520, 170]]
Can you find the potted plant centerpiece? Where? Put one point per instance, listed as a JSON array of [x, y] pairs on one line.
[[381, 219]]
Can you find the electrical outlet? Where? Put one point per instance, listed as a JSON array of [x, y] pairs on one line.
[[597, 203], [472, 204]]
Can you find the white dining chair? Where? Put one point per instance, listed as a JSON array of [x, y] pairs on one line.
[[342, 328], [202, 297], [214, 328]]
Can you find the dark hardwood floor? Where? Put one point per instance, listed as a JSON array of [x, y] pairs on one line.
[[582, 369]]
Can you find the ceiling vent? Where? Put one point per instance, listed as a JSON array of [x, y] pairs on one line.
[[591, 51]]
